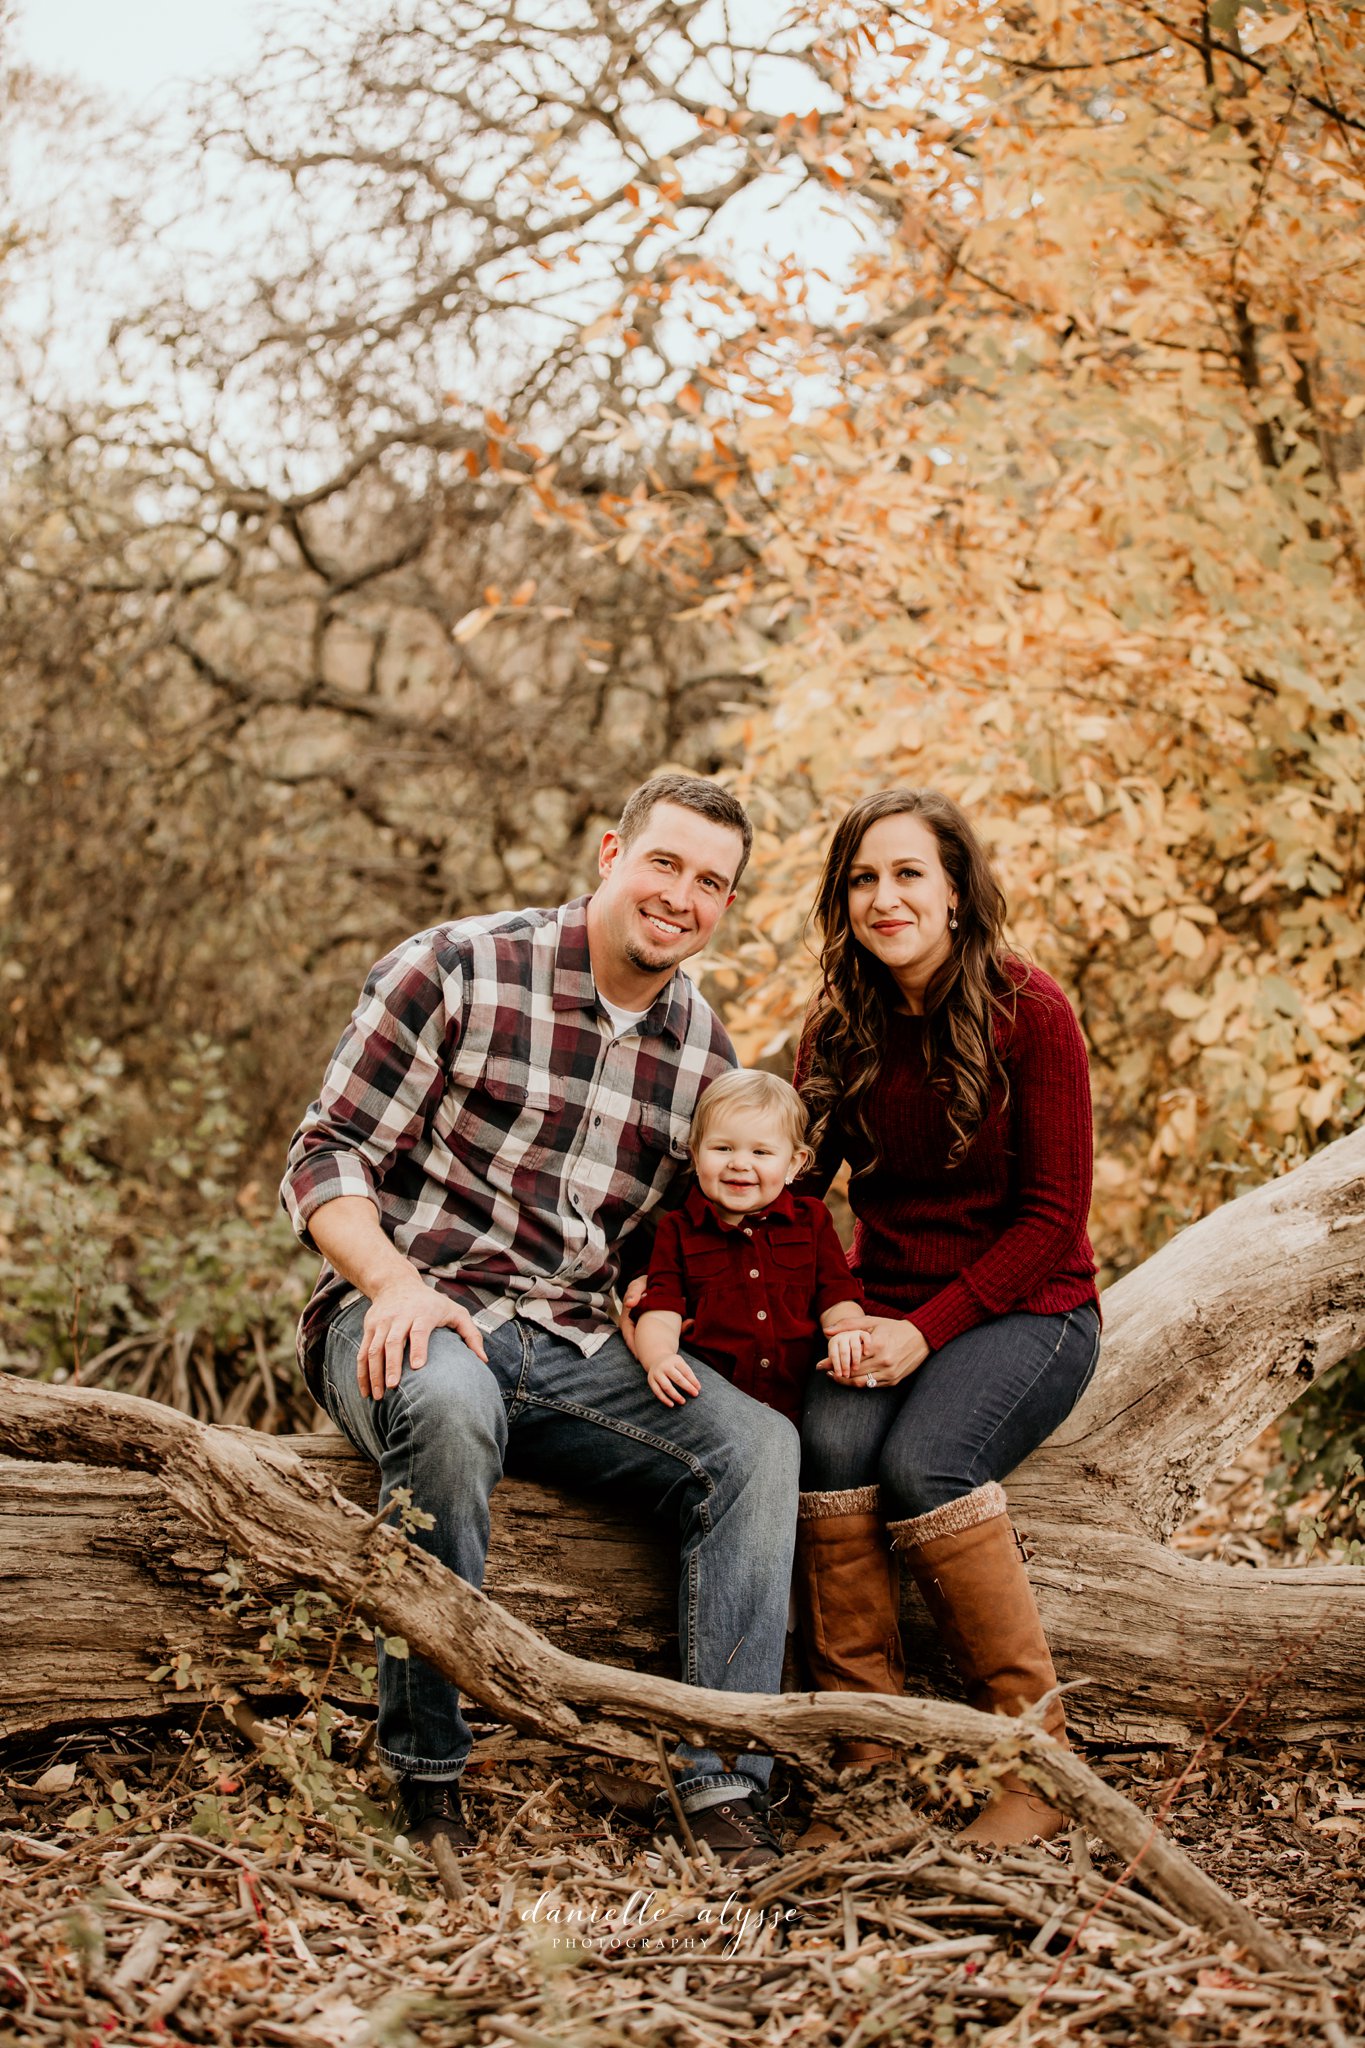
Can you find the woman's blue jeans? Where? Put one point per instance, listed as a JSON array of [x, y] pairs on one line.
[[973, 1411], [719, 1471]]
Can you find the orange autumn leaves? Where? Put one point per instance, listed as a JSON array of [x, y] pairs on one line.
[[1067, 518]]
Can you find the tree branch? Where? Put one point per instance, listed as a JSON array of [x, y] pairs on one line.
[[1239, 56], [1213, 1337], [279, 1518]]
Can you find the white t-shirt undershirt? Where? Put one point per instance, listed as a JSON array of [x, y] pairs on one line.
[[621, 1020]]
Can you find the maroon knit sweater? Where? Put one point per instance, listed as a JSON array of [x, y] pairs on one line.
[[948, 1247]]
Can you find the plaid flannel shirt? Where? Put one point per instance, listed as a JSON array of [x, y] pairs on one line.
[[478, 1098]]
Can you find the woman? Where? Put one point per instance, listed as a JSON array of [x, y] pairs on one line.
[[953, 1077]]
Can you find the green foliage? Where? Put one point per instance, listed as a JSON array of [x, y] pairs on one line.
[[1321, 1463], [128, 1254], [304, 1644]]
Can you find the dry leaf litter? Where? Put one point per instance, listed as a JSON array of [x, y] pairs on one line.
[[223, 1878], [173, 1884]]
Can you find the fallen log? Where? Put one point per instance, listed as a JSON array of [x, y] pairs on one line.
[[1204, 1344], [283, 1519], [103, 1581]]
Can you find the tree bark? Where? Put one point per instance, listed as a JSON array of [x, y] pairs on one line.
[[102, 1580], [285, 1519], [1204, 1344], [1207, 1342]]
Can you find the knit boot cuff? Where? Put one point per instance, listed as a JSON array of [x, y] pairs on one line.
[[854, 1500], [952, 1518]]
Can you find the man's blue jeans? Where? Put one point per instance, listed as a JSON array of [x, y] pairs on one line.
[[973, 1411], [722, 1469]]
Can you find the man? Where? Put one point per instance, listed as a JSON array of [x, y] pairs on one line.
[[510, 1098]]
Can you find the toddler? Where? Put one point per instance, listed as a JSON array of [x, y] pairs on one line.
[[759, 1271]]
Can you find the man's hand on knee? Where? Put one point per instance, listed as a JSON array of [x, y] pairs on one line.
[[399, 1322]]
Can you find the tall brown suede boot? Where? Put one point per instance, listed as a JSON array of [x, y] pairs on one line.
[[969, 1569], [846, 1591]]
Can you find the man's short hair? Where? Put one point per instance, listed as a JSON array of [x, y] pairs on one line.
[[694, 793], [751, 1088]]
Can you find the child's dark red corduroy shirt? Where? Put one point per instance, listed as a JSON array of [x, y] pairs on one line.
[[756, 1293]]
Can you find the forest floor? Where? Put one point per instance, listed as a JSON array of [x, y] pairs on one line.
[[216, 1880]]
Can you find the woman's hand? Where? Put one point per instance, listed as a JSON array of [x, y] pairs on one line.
[[892, 1350]]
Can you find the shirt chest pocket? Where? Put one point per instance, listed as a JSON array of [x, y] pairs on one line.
[[509, 1111], [712, 1278], [711, 1265], [517, 1082], [653, 1150], [663, 1133]]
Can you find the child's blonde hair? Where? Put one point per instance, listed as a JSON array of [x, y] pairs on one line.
[[750, 1088]]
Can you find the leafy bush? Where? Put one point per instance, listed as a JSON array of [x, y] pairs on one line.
[[129, 1254], [1321, 1440]]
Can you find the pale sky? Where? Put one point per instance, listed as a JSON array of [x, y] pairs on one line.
[[131, 47], [144, 55]]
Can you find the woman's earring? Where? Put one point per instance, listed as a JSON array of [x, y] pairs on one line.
[[952, 922]]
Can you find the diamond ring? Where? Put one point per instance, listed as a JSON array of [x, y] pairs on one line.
[[871, 1380]]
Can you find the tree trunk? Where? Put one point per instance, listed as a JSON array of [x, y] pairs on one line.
[[1207, 1342], [1204, 1344], [102, 1581]]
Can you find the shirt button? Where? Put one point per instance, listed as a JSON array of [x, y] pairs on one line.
[[753, 1273], [747, 1231], [765, 1362], [763, 1315]]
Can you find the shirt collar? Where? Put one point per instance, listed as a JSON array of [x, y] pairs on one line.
[[699, 1210], [574, 988]]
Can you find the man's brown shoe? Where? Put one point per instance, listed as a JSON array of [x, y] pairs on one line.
[[737, 1833], [432, 1810]]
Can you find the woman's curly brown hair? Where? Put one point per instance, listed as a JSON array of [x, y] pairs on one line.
[[969, 996]]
